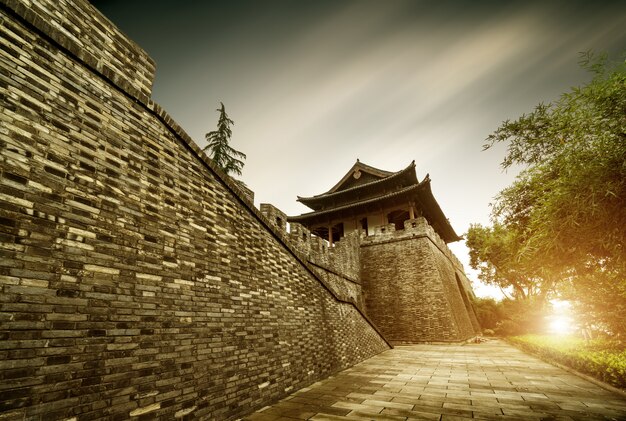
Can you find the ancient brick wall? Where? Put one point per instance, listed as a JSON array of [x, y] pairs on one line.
[[136, 281], [91, 38], [410, 288], [467, 294], [342, 287], [338, 265], [342, 257]]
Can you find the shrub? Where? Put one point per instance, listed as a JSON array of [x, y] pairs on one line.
[[509, 328], [603, 359]]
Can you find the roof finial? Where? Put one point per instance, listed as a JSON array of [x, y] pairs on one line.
[[357, 160]]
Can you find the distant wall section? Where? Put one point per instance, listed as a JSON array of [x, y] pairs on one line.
[[339, 265]]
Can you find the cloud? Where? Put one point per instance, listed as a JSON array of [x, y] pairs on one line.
[[314, 85]]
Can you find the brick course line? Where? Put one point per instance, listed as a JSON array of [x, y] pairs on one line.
[[157, 111]]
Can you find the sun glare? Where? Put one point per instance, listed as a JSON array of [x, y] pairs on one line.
[[560, 321], [561, 325]]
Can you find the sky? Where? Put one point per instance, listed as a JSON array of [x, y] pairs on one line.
[[314, 85]]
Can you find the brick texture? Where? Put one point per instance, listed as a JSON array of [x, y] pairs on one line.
[[408, 282], [339, 266], [413, 286], [137, 281], [94, 40]]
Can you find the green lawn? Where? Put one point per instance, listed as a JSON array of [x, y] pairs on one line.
[[599, 358]]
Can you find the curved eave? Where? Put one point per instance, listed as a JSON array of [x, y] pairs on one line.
[[421, 192], [306, 217], [436, 216], [315, 202]]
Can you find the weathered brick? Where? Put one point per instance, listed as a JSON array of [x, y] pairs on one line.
[[141, 266], [425, 283]]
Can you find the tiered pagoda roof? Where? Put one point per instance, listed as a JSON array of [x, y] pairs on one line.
[[365, 189]]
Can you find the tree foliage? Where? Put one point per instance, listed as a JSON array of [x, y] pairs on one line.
[[225, 156], [565, 215], [488, 312], [511, 316], [497, 253]]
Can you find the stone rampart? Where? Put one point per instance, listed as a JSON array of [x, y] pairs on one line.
[[93, 40], [137, 280], [419, 296], [342, 257], [338, 265], [412, 228], [342, 287]]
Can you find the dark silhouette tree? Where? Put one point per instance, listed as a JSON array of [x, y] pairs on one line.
[[223, 155]]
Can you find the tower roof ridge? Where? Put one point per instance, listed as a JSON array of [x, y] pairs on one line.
[[354, 171]]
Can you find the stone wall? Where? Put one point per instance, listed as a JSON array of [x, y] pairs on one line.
[[410, 286], [346, 289], [408, 282], [338, 265], [92, 39], [137, 281], [343, 257]]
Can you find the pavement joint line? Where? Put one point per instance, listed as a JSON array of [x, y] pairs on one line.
[[583, 376], [450, 382]]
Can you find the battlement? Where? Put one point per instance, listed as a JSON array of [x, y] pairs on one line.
[[343, 256], [412, 228], [274, 216]]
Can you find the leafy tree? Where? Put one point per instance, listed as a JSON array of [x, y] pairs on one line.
[[224, 156], [488, 312], [565, 215], [497, 252], [511, 316], [520, 317]]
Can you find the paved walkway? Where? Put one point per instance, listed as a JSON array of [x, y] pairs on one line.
[[488, 381]]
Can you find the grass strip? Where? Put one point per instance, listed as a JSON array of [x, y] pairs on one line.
[[602, 359]]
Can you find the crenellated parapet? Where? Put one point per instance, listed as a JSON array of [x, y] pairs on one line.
[[342, 257], [303, 241], [274, 216], [412, 228]]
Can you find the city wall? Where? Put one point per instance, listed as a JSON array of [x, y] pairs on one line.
[[339, 265], [137, 279], [426, 281], [408, 281]]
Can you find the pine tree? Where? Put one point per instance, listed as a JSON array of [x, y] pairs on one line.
[[222, 154]]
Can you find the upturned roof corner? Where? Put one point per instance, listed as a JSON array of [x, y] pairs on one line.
[[365, 190]]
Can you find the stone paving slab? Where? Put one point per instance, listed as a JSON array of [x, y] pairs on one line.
[[487, 381]]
